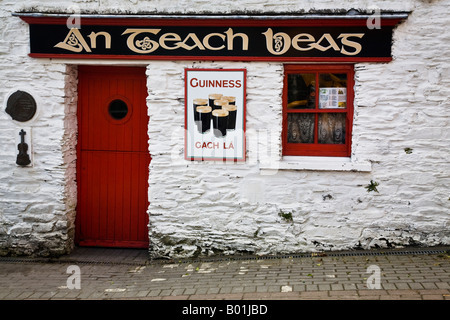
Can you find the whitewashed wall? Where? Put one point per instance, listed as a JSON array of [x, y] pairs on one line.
[[37, 203], [212, 208]]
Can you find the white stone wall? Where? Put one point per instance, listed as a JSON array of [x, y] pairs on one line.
[[37, 203], [212, 208]]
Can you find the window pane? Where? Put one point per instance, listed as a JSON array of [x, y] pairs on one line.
[[300, 128], [118, 109], [332, 90], [301, 91], [332, 128]]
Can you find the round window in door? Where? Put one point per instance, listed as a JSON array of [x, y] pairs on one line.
[[118, 110]]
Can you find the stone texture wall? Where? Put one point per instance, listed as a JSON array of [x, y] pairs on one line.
[[37, 203], [269, 204]]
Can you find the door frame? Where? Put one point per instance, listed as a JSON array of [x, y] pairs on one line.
[[77, 235]]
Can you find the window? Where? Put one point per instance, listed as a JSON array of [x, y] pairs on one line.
[[118, 109], [317, 110]]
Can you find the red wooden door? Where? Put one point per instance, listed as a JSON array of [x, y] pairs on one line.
[[113, 157]]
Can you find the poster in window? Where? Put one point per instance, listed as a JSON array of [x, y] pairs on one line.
[[215, 114], [332, 98]]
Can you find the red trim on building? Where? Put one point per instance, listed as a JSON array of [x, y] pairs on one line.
[[211, 58], [254, 21], [317, 149]]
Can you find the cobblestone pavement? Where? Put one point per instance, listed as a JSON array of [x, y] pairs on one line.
[[129, 274]]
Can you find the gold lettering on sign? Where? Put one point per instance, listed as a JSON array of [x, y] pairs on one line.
[[302, 37], [74, 41], [206, 41], [194, 38], [145, 45], [279, 43], [355, 45], [331, 43], [173, 41], [281, 39], [231, 36], [93, 37], [169, 37], [143, 41]]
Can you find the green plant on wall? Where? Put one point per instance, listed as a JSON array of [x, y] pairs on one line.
[[408, 150], [372, 186], [286, 216]]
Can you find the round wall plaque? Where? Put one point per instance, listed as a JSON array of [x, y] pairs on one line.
[[21, 106]]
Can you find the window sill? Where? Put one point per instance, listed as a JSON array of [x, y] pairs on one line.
[[318, 164]]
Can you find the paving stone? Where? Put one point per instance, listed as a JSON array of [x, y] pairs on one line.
[[443, 285], [433, 297], [402, 277], [415, 285]]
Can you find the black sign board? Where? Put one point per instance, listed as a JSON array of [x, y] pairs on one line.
[[183, 40], [21, 106]]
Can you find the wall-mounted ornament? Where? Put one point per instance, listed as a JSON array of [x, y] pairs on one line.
[[23, 159], [21, 106]]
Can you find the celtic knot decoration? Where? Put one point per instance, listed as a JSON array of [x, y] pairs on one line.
[[144, 44]]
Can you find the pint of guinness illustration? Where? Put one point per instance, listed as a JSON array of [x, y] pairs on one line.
[[230, 99], [212, 97], [218, 104], [232, 111], [220, 122], [197, 103], [204, 116]]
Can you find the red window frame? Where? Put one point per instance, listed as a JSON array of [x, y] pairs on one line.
[[316, 149]]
